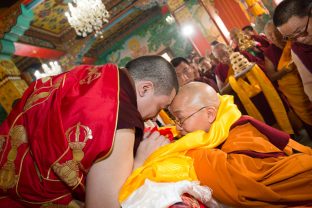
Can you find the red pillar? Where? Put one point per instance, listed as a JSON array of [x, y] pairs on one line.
[[184, 17], [231, 14]]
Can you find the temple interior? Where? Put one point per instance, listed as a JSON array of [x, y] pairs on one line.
[[228, 104]]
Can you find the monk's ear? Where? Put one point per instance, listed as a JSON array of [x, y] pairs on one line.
[[145, 88], [211, 113]]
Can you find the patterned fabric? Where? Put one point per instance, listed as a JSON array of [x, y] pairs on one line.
[[60, 127]]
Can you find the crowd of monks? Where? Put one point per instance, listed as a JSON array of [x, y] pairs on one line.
[[242, 159], [272, 54]]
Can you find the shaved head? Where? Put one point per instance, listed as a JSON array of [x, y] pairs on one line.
[[195, 107], [196, 94]]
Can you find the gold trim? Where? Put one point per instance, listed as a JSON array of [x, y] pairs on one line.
[[39, 173], [64, 78], [8, 178], [10, 130], [34, 97], [16, 188], [5, 147], [2, 197], [79, 182], [55, 199], [58, 159], [116, 121], [35, 87], [20, 170]]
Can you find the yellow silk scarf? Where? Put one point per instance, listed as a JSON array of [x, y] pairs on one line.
[[170, 163], [291, 86], [257, 78]]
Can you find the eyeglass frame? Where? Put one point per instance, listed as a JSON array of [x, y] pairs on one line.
[[180, 123], [303, 33]]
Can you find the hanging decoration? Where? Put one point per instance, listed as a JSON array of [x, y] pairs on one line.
[[87, 16]]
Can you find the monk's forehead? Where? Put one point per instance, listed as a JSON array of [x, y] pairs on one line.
[[182, 100]]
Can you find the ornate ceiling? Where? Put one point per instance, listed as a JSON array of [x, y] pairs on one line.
[[50, 28]]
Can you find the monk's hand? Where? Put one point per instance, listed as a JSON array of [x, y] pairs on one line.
[[151, 142]]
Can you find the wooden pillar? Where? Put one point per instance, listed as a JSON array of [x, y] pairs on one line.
[[12, 86], [216, 19], [231, 13]]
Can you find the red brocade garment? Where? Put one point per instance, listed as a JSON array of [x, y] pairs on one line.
[[57, 131]]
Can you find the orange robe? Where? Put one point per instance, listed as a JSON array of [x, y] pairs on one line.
[[250, 171], [245, 162], [292, 87]]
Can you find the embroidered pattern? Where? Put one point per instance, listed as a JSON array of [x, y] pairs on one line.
[[77, 137], [93, 74], [72, 204], [36, 96], [68, 172], [7, 173]]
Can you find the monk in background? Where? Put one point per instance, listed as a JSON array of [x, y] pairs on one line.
[[293, 19], [186, 72], [224, 70], [281, 69], [246, 163]]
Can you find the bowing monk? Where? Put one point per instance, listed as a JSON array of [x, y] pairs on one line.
[[77, 136], [246, 163], [280, 68], [293, 20]]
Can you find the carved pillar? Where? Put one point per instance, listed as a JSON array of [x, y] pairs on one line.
[[12, 86], [14, 21]]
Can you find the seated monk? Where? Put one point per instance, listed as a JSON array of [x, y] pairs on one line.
[[246, 163]]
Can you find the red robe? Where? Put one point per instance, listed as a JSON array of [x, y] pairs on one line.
[[273, 53], [59, 129]]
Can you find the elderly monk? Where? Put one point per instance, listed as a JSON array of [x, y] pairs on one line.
[[246, 163], [293, 20], [279, 67]]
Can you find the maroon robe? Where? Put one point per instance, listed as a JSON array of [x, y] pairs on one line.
[[222, 69], [259, 100], [264, 42], [304, 52], [273, 53]]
